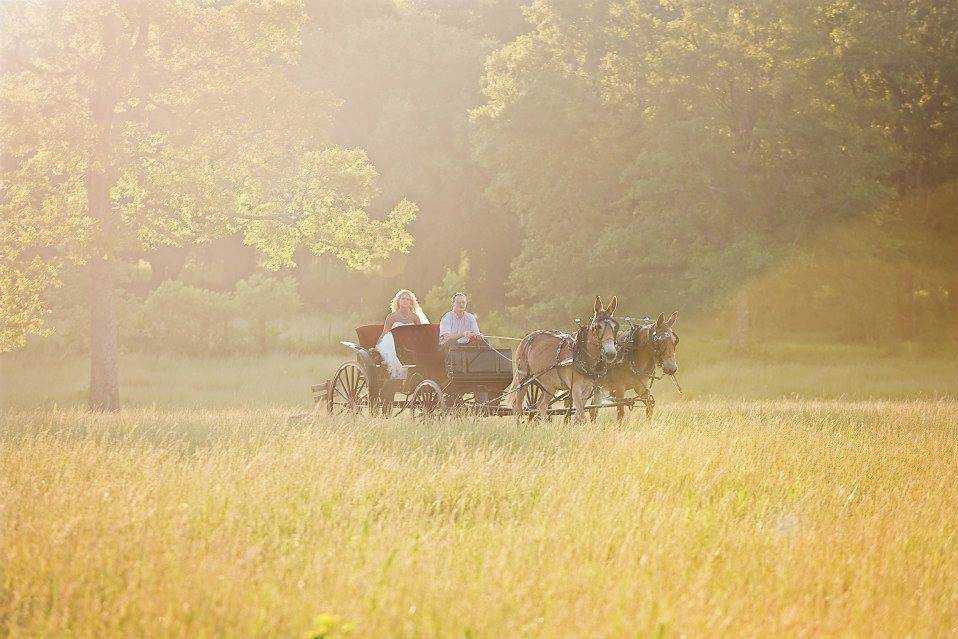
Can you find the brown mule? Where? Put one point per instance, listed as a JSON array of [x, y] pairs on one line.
[[547, 357], [643, 348]]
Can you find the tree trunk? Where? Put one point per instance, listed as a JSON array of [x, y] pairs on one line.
[[104, 377]]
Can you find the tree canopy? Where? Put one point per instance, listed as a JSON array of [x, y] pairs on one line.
[[686, 143]]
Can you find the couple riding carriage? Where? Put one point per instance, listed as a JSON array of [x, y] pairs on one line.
[[452, 367], [457, 326]]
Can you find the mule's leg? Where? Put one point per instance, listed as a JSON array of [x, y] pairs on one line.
[[518, 398], [590, 395], [543, 406], [579, 398], [568, 401], [644, 391], [617, 394]]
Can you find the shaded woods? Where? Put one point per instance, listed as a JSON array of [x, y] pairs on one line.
[[791, 165]]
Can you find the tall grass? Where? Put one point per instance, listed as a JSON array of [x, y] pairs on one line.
[[749, 506], [717, 517]]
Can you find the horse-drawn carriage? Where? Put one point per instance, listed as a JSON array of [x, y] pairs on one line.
[[478, 379], [461, 379]]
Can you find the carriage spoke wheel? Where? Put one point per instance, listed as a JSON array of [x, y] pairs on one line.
[[533, 396], [350, 394], [427, 401]]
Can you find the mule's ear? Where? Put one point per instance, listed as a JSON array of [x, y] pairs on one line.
[[671, 320], [598, 305], [659, 322], [611, 308]]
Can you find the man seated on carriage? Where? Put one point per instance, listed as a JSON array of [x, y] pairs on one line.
[[458, 327]]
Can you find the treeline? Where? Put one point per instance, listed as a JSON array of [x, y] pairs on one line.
[[685, 155], [799, 155]]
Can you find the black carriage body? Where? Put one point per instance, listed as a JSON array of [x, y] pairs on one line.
[[461, 375], [418, 345], [479, 368]]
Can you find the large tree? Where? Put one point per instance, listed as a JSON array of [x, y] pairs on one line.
[[130, 125]]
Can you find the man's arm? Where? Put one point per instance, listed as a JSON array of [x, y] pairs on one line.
[[475, 326], [445, 328], [471, 331]]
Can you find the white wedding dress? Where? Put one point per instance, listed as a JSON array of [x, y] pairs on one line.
[[387, 348]]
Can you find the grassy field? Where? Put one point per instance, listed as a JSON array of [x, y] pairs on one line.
[[207, 509], [745, 518]]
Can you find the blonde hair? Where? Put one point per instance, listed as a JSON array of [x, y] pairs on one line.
[[394, 305]]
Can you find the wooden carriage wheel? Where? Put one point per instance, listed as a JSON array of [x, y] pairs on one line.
[[533, 395], [350, 391], [427, 401]]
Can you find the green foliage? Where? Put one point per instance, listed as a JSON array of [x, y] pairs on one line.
[[22, 301], [899, 57], [179, 318], [671, 152], [327, 626], [263, 302], [439, 298]]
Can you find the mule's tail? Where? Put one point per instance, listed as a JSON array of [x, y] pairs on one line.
[[520, 370]]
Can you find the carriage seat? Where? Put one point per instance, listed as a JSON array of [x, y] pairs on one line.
[[368, 335]]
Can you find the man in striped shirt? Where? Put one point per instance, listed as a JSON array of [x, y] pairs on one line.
[[458, 326]]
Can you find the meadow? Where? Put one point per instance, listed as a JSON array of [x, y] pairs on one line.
[[794, 491]]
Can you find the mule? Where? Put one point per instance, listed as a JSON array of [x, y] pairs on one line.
[[643, 348], [560, 361]]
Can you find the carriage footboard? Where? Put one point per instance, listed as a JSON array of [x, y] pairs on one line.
[[322, 393]]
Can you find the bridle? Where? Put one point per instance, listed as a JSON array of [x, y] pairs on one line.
[[657, 343], [583, 362], [606, 323], [659, 340], [600, 327]]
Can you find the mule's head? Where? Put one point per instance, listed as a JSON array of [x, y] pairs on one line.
[[603, 328], [663, 340]]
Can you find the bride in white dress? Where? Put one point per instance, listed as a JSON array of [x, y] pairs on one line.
[[405, 311]]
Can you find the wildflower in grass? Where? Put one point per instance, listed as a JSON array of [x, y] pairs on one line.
[[327, 626]]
